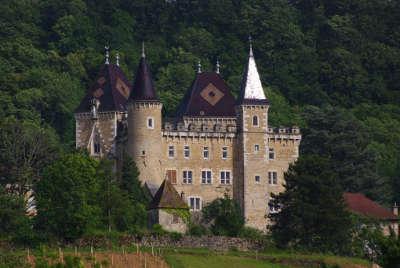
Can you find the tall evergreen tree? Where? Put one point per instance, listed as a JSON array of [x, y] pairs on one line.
[[312, 211]]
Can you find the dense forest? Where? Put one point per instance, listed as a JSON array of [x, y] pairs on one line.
[[330, 66]]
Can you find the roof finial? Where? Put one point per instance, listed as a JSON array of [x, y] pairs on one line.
[[217, 67], [107, 61], [251, 46], [143, 54], [117, 59], [199, 67]]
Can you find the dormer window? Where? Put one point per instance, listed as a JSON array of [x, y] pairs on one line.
[[150, 122], [255, 121]]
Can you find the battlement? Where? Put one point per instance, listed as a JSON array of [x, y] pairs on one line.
[[284, 133], [200, 127]]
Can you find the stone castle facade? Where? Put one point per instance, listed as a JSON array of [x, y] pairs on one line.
[[215, 145]]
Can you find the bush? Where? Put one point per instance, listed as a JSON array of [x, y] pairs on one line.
[[175, 236], [158, 230], [198, 230], [251, 233]]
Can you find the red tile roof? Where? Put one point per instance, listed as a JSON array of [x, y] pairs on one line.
[[208, 95], [360, 204], [111, 88]]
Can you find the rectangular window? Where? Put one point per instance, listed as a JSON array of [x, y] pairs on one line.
[[271, 153], [171, 151], [186, 151], [206, 177], [171, 176], [224, 152], [256, 148], [150, 122], [187, 177], [272, 177], [225, 177], [205, 152], [194, 203], [257, 179]]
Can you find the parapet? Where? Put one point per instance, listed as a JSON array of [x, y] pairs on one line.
[[289, 133]]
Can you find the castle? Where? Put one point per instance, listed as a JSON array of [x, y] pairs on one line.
[[215, 145]]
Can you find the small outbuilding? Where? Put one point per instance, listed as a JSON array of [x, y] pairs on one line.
[[168, 209], [359, 204]]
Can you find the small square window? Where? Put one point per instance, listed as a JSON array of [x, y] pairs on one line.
[[273, 207], [257, 179], [224, 152], [186, 151], [205, 153], [256, 148], [187, 177]]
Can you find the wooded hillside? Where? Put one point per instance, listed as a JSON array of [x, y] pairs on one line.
[[330, 66]]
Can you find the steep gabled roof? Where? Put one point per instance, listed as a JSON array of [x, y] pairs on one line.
[[167, 197], [111, 88], [251, 90], [360, 204], [208, 95], [143, 86]]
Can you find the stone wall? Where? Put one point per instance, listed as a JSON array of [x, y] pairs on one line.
[[219, 243]]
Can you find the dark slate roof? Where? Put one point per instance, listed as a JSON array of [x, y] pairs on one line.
[[111, 88], [360, 204], [143, 86], [167, 197], [194, 102]]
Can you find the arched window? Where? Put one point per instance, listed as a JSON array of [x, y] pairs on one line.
[[255, 120]]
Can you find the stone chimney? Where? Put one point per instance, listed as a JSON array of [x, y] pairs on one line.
[[395, 209]]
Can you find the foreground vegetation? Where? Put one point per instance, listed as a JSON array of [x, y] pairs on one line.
[[174, 258]]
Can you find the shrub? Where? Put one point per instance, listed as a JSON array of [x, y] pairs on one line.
[[198, 230]]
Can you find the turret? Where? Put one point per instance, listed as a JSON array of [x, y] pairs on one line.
[[144, 125], [252, 121]]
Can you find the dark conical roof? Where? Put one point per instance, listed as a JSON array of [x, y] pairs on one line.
[[111, 88], [143, 86], [167, 197], [208, 95]]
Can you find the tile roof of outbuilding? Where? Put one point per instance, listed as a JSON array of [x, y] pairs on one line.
[[208, 95], [360, 204], [167, 197], [111, 88]]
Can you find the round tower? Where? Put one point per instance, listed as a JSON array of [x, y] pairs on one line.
[[144, 126]]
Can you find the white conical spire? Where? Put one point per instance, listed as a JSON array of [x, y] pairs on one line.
[[252, 83]]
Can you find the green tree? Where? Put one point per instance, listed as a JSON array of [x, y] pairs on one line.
[[225, 216], [130, 182], [25, 149], [66, 197], [119, 211], [14, 223], [312, 212]]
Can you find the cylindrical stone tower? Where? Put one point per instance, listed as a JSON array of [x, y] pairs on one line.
[[144, 126]]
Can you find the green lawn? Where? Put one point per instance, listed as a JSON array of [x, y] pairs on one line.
[[199, 258], [201, 261]]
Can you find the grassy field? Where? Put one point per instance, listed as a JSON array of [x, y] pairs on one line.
[[201, 258], [177, 258]]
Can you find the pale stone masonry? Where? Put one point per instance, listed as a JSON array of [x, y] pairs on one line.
[[215, 145]]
